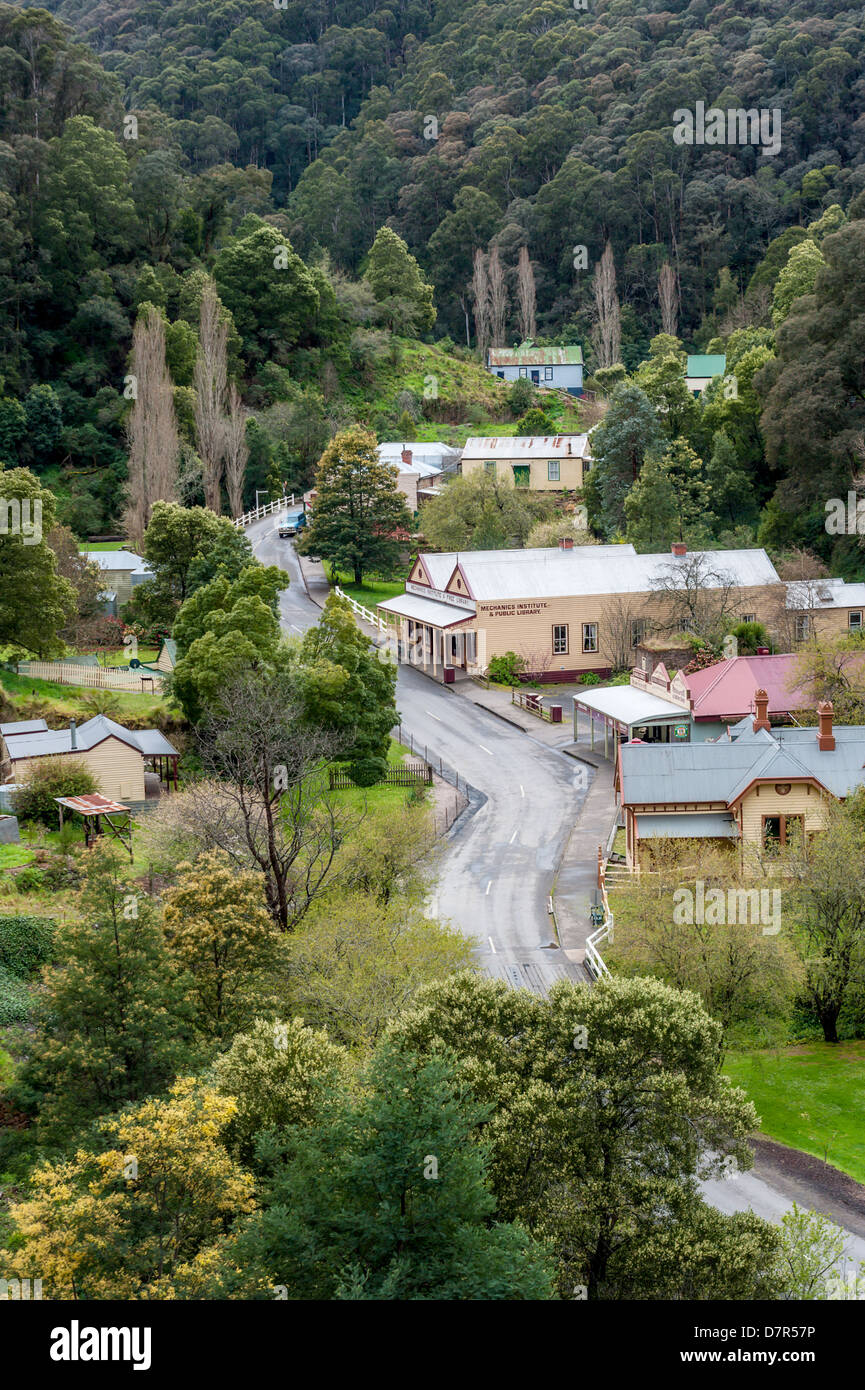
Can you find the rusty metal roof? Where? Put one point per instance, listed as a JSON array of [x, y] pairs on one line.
[[93, 804], [527, 355]]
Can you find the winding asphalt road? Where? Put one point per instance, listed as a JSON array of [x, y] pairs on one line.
[[494, 880]]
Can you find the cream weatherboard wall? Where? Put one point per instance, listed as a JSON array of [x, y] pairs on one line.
[[570, 471], [117, 768], [763, 800]]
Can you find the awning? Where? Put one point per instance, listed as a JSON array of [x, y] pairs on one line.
[[626, 705], [426, 610], [709, 825]]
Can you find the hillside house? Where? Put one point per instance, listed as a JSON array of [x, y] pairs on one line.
[[540, 463], [703, 368], [553, 367]]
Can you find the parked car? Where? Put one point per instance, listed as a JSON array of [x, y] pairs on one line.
[[287, 527]]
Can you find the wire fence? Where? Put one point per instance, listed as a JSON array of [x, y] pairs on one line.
[[443, 769]]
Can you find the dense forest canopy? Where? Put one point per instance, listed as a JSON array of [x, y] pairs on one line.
[[144, 144]]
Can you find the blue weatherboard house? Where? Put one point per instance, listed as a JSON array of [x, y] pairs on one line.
[[560, 367]]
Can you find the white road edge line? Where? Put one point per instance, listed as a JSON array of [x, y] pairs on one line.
[[513, 837], [522, 792]]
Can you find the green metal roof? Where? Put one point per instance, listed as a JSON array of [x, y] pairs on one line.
[[711, 364], [528, 355]]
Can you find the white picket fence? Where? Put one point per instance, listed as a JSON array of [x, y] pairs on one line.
[[266, 510], [94, 677], [360, 611]]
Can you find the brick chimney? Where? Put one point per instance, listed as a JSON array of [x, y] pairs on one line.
[[761, 707], [825, 736], [679, 549], [566, 543], [406, 457]]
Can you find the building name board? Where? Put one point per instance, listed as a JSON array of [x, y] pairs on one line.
[[424, 591], [517, 609]]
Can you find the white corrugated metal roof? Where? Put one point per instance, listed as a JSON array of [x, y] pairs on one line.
[[426, 610], [555, 573], [527, 446], [116, 560], [629, 705], [44, 742], [815, 594]]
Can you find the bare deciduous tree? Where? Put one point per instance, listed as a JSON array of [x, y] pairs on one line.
[[698, 598], [668, 296], [272, 768], [607, 335], [152, 427], [498, 298], [526, 294], [210, 381], [480, 289], [622, 617], [236, 450]]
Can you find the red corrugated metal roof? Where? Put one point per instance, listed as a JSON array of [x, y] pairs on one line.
[[92, 805], [727, 688]]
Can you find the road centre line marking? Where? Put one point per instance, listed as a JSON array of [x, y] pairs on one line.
[[433, 716], [489, 886], [492, 945], [486, 750], [513, 837]]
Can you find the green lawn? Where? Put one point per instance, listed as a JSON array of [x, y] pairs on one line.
[[66, 697], [360, 798], [102, 545], [13, 856], [810, 1097], [371, 592]]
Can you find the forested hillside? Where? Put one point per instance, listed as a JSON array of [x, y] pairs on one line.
[[141, 156]]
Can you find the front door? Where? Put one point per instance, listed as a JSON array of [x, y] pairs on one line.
[[521, 475], [536, 378]]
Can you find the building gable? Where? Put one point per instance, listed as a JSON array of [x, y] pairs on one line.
[[418, 573]]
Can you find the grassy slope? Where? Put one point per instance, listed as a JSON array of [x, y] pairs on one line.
[[371, 592], [64, 700], [470, 399], [811, 1097]]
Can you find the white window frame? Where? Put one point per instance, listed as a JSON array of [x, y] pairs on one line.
[[748, 618], [590, 639], [524, 371], [558, 649], [548, 373], [857, 626], [802, 627], [490, 466], [554, 477]]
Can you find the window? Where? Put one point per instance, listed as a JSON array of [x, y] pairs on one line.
[[501, 374], [560, 639], [638, 631], [524, 371], [803, 625], [554, 471], [781, 830], [590, 637], [854, 621], [490, 466], [748, 618], [548, 373], [587, 466]]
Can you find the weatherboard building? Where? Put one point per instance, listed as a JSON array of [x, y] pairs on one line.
[[556, 607]]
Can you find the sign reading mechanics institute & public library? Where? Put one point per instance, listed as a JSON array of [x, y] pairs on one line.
[[511, 610]]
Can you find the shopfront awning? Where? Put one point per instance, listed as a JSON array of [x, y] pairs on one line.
[[426, 610], [626, 706], [711, 825]]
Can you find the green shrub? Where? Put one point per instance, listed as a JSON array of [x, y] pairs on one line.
[[750, 636], [25, 943], [16, 1000], [505, 669], [48, 778], [520, 396], [590, 678], [30, 880]]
